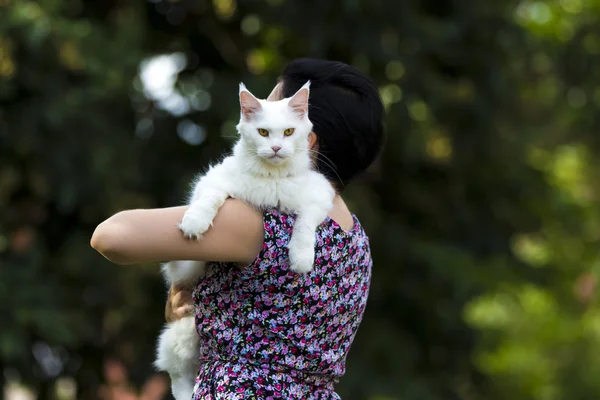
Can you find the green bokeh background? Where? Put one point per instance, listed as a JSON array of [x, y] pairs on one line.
[[483, 210]]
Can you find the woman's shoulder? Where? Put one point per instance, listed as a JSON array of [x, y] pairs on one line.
[[276, 232], [240, 212], [274, 228], [279, 225]]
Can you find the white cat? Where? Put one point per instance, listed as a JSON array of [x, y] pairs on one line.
[[270, 167]]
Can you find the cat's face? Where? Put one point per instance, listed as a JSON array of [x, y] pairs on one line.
[[275, 130]]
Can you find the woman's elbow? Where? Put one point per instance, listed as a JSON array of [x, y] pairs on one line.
[[107, 240]]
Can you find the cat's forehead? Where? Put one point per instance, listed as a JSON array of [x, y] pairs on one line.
[[277, 115], [275, 106]]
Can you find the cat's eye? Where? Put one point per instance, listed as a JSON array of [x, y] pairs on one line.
[[263, 132], [288, 131]]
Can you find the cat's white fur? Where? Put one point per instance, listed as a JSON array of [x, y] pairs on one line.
[[264, 176]]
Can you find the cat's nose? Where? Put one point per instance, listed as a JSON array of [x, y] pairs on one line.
[[276, 148]]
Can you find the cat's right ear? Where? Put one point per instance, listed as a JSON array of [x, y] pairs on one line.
[[249, 104], [299, 102]]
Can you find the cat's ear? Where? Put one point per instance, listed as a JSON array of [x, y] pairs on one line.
[[249, 104], [299, 102]]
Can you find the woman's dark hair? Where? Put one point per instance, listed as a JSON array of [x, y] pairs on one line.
[[347, 115]]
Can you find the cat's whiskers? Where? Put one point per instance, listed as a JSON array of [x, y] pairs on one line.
[[327, 161], [230, 136]]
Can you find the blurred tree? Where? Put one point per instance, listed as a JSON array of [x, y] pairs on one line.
[[483, 210]]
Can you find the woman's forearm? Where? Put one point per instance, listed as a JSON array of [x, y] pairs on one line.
[[135, 236], [124, 237]]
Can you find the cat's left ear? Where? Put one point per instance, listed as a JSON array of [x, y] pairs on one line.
[[299, 102]]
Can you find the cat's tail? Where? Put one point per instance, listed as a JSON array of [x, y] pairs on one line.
[[178, 347], [178, 353]]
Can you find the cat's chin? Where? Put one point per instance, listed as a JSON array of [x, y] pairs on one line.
[[275, 160]]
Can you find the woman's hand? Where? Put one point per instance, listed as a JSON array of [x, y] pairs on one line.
[[179, 304]]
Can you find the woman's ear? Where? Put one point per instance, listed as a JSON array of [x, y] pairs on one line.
[[275, 93], [312, 140]]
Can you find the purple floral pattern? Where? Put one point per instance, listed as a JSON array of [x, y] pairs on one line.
[[269, 333]]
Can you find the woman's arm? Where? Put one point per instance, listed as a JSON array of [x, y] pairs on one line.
[[135, 236]]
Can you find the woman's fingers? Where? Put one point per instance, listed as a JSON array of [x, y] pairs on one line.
[[182, 298], [179, 304], [184, 311]]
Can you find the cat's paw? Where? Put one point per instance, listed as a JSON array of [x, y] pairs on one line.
[[193, 225], [301, 258]]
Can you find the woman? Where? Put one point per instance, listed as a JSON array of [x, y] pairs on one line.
[[267, 332]]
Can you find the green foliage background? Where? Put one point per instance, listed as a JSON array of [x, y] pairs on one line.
[[483, 210]]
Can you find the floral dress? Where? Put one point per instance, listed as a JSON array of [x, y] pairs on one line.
[[269, 333]]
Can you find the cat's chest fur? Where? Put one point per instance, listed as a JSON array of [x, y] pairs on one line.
[[267, 192], [286, 191]]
